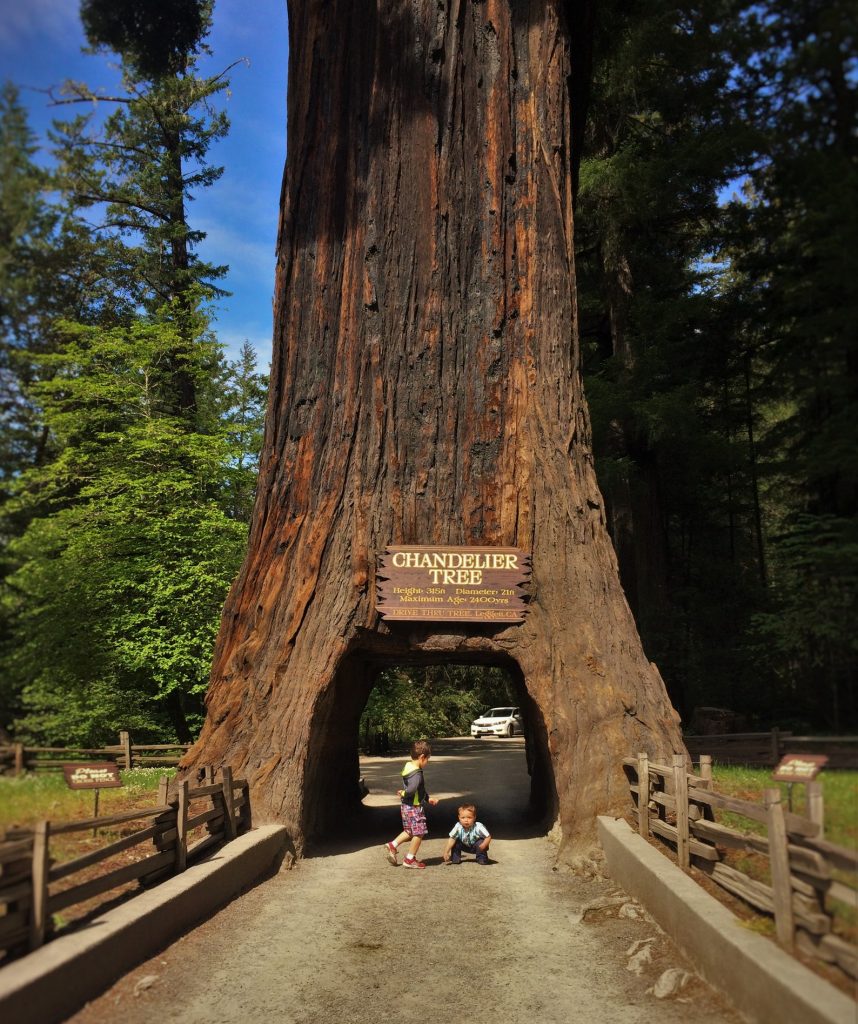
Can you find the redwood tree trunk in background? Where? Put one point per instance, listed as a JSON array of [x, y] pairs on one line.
[[425, 390]]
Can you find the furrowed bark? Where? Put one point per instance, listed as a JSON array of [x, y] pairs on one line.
[[426, 389]]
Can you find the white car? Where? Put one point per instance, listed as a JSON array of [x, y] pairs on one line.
[[498, 722]]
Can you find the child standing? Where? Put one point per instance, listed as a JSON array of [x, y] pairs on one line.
[[413, 800], [469, 835]]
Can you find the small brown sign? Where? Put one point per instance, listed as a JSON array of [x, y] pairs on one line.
[[100, 775], [799, 767], [455, 584]]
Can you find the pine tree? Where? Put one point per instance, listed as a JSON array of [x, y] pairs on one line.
[[121, 539], [129, 550], [792, 246], [243, 397], [137, 170], [662, 373]]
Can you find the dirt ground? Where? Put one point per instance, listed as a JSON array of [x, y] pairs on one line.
[[346, 937]]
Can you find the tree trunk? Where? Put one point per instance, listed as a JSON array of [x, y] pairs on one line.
[[425, 389]]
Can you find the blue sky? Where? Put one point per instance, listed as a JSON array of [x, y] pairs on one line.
[[40, 45]]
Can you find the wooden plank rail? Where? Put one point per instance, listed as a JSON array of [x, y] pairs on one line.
[[806, 861], [97, 886], [796, 824], [18, 758], [201, 819], [676, 805], [84, 861], [14, 929], [841, 857], [765, 749], [761, 896], [112, 819], [13, 850], [29, 895]]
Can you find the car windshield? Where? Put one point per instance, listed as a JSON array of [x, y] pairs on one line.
[[498, 713]]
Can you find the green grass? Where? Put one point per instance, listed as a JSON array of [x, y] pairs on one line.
[[840, 795], [32, 797]]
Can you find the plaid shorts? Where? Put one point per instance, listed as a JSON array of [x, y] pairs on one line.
[[414, 820]]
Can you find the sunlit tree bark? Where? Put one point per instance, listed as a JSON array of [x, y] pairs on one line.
[[425, 389]]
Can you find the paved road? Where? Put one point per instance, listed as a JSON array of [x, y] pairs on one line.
[[346, 937]]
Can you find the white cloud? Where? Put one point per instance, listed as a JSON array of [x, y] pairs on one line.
[[32, 21], [248, 259]]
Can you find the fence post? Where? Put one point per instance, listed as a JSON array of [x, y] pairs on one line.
[[816, 805], [182, 827], [228, 803], [680, 794], [125, 743], [19, 758], [706, 769], [41, 862], [246, 815], [643, 795], [779, 859], [163, 789], [776, 745]]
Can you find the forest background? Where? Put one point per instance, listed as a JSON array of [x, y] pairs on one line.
[[716, 241]]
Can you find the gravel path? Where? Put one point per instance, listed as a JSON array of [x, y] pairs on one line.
[[346, 937]]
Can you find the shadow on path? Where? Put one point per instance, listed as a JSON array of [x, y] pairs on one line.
[[489, 773]]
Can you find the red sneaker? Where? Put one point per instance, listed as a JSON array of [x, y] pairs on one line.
[[412, 862], [390, 853]]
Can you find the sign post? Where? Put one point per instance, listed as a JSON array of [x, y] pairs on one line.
[[794, 768], [96, 776]]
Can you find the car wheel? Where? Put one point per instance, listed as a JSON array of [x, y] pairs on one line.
[[510, 731]]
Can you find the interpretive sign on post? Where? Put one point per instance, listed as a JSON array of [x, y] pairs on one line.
[[103, 775], [99, 775], [799, 767], [458, 584]]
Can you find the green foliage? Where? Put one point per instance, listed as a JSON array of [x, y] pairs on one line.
[[807, 635], [663, 378], [719, 344], [140, 168], [128, 469], [791, 240], [155, 36], [439, 700], [129, 553], [242, 394]]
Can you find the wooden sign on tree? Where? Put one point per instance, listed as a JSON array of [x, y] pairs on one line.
[[426, 389], [452, 584]]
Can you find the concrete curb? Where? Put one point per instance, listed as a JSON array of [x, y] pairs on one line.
[[759, 978], [53, 982]]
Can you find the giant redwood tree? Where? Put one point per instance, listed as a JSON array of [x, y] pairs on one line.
[[426, 390]]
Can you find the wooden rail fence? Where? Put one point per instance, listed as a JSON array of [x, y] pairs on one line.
[[765, 749], [33, 888], [809, 876], [15, 758]]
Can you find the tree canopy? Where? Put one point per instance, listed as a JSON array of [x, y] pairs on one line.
[[129, 462], [716, 233]]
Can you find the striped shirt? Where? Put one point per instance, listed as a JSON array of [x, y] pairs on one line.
[[469, 836]]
